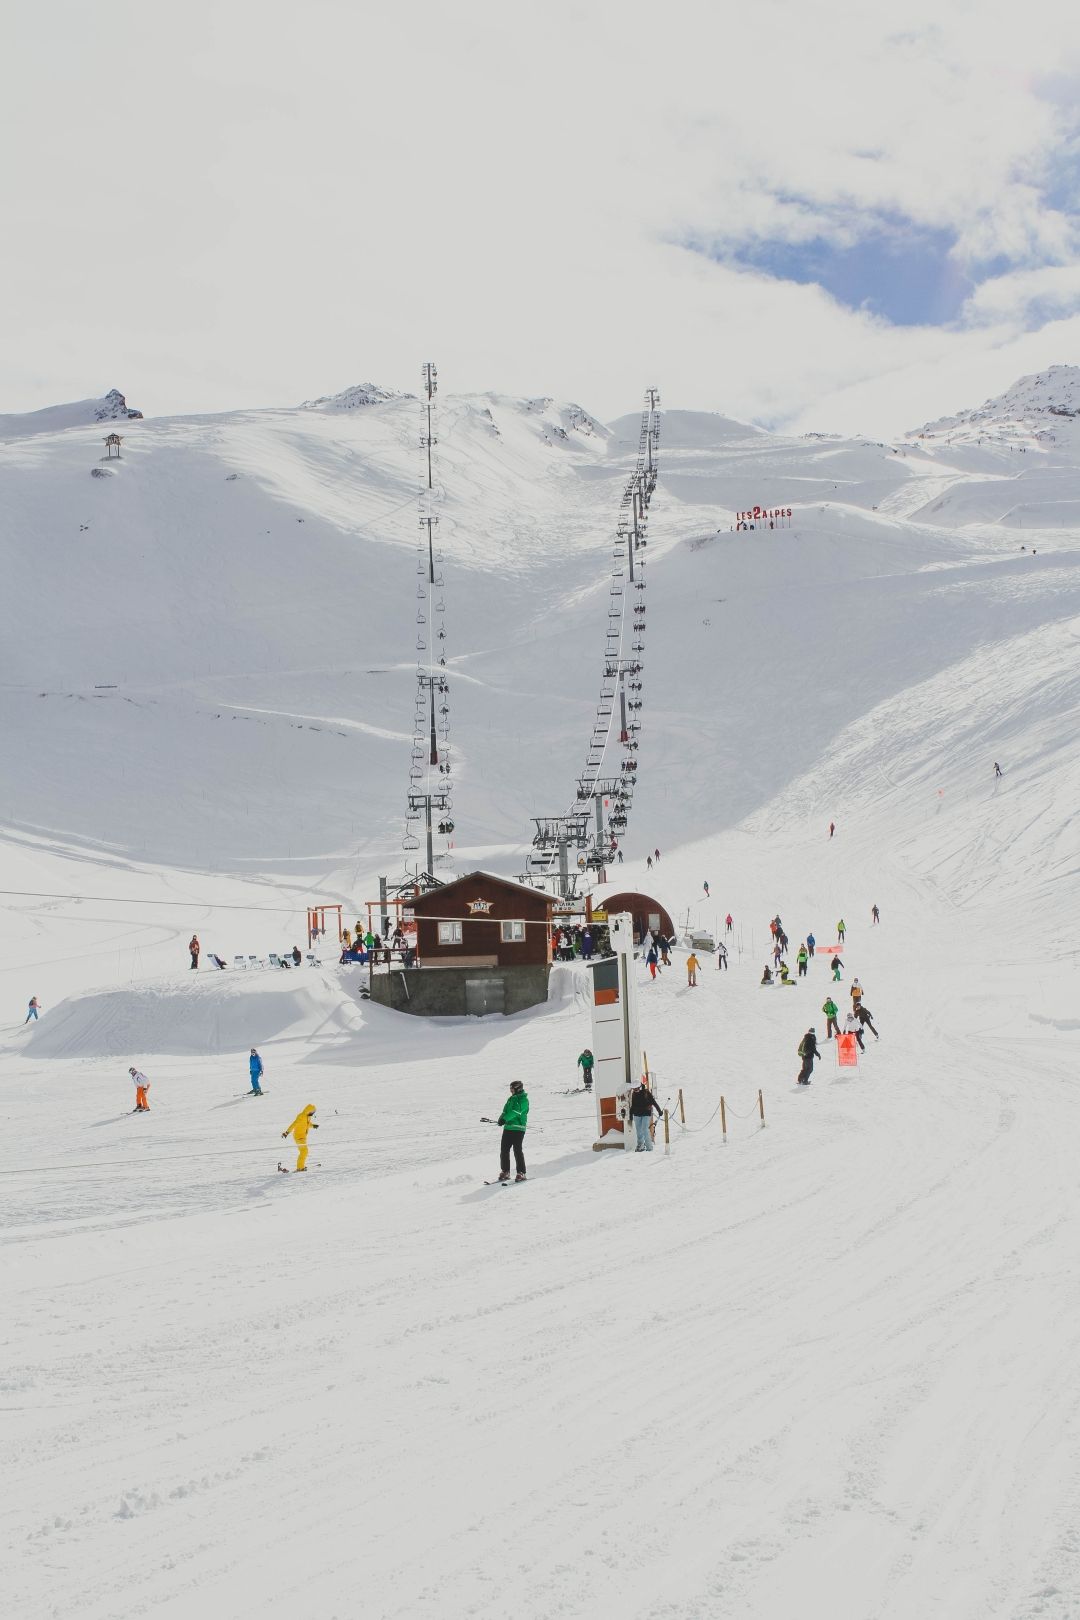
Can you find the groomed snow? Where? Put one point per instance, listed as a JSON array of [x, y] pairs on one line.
[[824, 1368]]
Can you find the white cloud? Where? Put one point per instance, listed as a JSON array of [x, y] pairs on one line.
[[242, 204]]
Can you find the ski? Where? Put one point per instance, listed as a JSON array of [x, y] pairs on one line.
[[516, 1182]]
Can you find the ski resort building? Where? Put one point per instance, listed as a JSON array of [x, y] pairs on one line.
[[483, 945], [646, 912]]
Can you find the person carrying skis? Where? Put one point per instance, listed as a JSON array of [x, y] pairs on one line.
[[856, 992], [142, 1086], [194, 947], [255, 1069], [853, 1027], [513, 1119], [692, 965], [875, 915], [721, 956], [802, 959], [642, 1103], [585, 1064], [830, 1009], [298, 1130], [862, 1013], [808, 1051], [840, 930], [32, 1010], [836, 965], [811, 945]]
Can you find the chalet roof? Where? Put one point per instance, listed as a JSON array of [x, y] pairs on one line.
[[438, 896]]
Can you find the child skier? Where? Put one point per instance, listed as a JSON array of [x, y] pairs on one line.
[[585, 1064], [298, 1130], [255, 1069], [513, 1119], [142, 1086]]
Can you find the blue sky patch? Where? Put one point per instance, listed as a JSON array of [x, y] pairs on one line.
[[899, 271]]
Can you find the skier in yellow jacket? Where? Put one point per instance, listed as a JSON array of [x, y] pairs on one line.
[[298, 1130]]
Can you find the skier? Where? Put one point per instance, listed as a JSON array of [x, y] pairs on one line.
[[856, 992], [832, 828], [194, 947], [255, 1069], [811, 945], [642, 1103], [853, 1027], [808, 1051], [862, 1013], [648, 862], [840, 930], [142, 1086], [802, 959], [692, 965], [32, 1010], [836, 965], [777, 953], [706, 886], [619, 856], [729, 925], [830, 1009], [997, 768], [875, 915], [656, 854], [298, 1130], [721, 956], [652, 959], [585, 1064], [513, 1119], [665, 949]]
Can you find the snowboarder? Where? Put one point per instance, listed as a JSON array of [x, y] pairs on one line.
[[862, 1013], [298, 1130], [808, 1051], [997, 768], [32, 1010], [836, 965], [785, 974], [766, 977], [811, 945], [721, 956], [255, 1069], [841, 930], [585, 1064], [142, 1086], [802, 959], [875, 915], [651, 959], [642, 1103], [194, 947], [856, 992], [729, 925], [853, 1027], [513, 1119], [692, 965], [830, 1009]]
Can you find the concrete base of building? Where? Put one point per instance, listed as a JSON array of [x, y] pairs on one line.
[[447, 992]]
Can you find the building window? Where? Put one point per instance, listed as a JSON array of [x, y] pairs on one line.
[[512, 933], [449, 933]]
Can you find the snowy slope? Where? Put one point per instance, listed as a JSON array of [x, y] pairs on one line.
[[824, 1368]]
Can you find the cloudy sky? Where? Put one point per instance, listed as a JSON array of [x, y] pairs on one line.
[[839, 214]]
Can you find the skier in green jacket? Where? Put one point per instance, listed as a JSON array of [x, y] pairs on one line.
[[830, 1009], [585, 1064], [513, 1119]]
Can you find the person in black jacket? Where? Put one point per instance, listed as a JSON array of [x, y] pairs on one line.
[[642, 1103], [808, 1051], [865, 1018]]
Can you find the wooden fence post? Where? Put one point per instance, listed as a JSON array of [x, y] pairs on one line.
[[761, 1108], [682, 1108], [667, 1133], [723, 1118]]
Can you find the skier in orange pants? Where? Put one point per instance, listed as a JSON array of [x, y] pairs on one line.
[[298, 1130], [142, 1086]]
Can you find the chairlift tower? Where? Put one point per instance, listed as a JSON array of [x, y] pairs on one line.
[[429, 793]]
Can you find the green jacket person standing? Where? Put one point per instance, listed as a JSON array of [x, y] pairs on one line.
[[513, 1119], [585, 1064], [829, 1008]]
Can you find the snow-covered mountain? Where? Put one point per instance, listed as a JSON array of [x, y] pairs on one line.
[[851, 1325], [113, 407]]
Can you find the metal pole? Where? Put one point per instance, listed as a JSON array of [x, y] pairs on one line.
[[599, 800], [564, 868], [382, 903], [430, 846]]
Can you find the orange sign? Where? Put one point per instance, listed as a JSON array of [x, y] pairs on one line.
[[847, 1053]]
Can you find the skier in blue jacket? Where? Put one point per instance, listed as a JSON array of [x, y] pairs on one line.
[[255, 1068]]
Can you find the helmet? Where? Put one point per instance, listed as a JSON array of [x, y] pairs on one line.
[[131, 1070], [516, 1086]]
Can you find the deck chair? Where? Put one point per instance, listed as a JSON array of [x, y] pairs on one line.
[[275, 961], [238, 962], [253, 962], [312, 960]]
